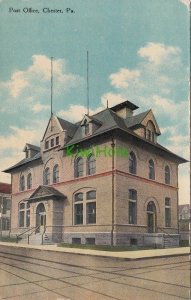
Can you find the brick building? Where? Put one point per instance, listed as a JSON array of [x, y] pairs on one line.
[[5, 207], [103, 180]]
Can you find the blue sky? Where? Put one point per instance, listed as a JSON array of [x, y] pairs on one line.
[[138, 50]]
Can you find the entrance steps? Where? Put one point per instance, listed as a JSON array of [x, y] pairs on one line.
[[36, 239]]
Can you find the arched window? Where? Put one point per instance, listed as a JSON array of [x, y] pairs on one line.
[[167, 175], [22, 183], [132, 163], [29, 181], [91, 165], [55, 174], [46, 176], [79, 167], [151, 169], [132, 206]]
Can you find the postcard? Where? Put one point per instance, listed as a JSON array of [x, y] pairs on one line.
[[94, 144]]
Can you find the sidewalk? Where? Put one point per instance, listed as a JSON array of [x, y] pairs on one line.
[[126, 255]]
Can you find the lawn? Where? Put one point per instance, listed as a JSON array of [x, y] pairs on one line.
[[104, 247]]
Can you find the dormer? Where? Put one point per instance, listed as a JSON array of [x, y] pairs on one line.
[[58, 132], [89, 125], [146, 126], [31, 150], [124, 109]]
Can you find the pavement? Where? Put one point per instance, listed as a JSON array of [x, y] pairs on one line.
[[125, 255]]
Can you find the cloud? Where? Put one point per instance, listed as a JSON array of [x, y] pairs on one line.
[[37, 107], [76, 112], [123, 77], [186, 2], [158, 53], [32, 85]]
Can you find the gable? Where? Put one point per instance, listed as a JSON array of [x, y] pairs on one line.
[[53, 127], [150, 117], [45, 192]]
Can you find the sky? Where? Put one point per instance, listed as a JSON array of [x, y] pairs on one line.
[[138, 50]]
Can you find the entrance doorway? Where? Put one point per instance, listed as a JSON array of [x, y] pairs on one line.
[[151, 217], [40, 218]]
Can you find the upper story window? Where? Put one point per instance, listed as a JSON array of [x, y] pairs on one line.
[[87, 128], [151, 169], [57, 140], [22, 183], [132, 163], [91, 165], [46, 176], [52, 142], [150, 131], [47, 145], [56, 174], [29, 181], [132, 206], [79, 167], [167, 175]]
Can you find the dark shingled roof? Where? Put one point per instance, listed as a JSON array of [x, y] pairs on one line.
[[23, 162], [66, 125], [107, 120], [126, 103]]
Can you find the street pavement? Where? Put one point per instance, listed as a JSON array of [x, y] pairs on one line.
[[86, 277]]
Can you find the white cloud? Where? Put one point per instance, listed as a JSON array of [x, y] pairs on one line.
[[32, 85], [158, 53], [186, 2], [37, 107], [76, 112], [123, 77]]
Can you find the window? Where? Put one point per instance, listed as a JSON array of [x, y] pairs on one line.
[[5, 223], [90, 241], [78, 214], [24, 214], [47, 176], [91, 195], [46, 145], [132, 206], [151, 169], [29, 181], [79, 167], [57, 140], [87, 129], [167, 175], [91, 165], [55, 174], [167, 213], [149, 134], [76, 240], [22, 183], [78, 197], [150, 131], [85, 208], [132, 163], [91, 213], [21, 215], [52, 142]]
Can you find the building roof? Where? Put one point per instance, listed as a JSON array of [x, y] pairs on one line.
[[30, 146], [44, 191], [5, 188], [23, 162], [107, 120], [126, 104]]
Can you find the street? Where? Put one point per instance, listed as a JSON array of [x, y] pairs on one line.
[[80, 277]]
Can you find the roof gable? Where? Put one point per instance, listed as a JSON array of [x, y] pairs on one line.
[[45, 192]]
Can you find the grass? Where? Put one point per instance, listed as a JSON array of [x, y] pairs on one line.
[[8, 239], [104, 247]]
